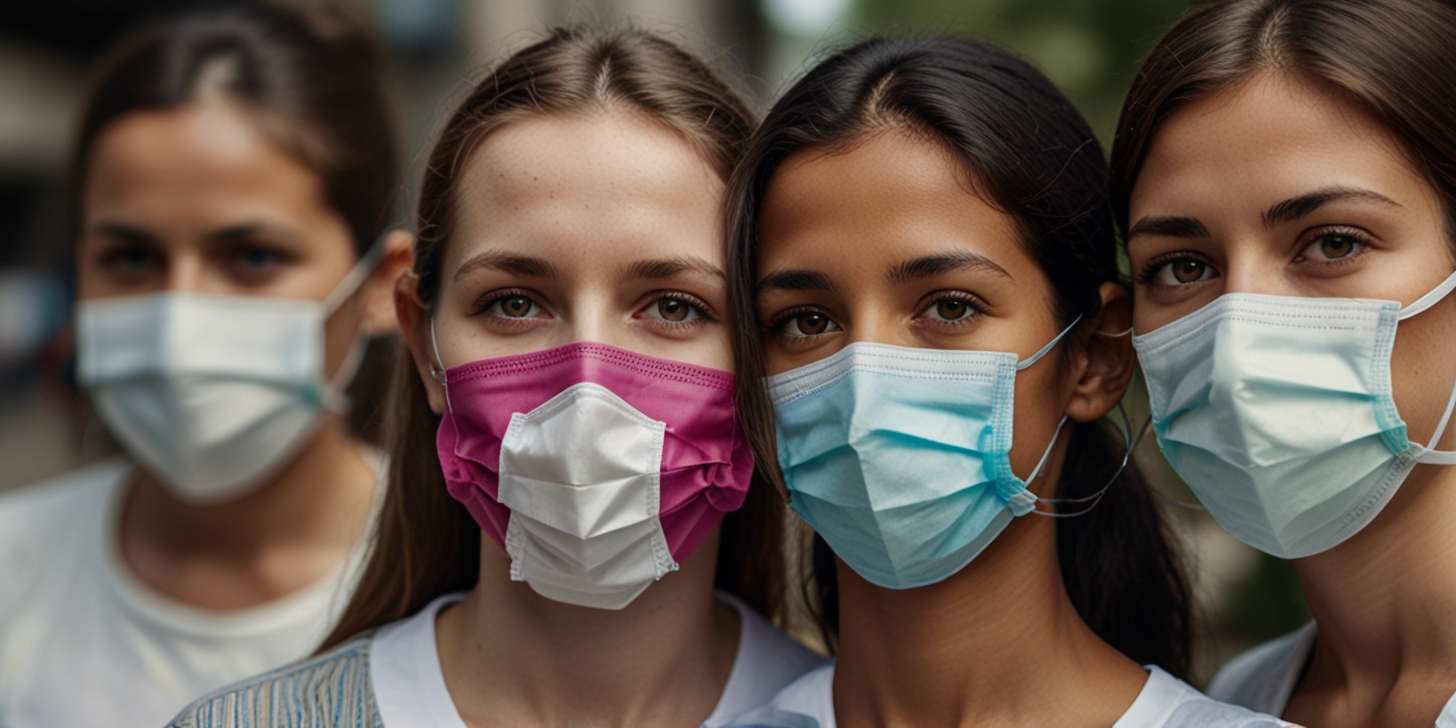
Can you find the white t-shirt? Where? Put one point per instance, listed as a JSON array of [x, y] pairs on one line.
[[410, 692], [1265, 677], [84, 643], [1164, 702]]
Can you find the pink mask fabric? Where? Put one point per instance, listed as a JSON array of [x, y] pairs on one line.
[[598, 470]]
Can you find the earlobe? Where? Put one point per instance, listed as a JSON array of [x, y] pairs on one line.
[[414, 321], [1109, 358], [380, 317]]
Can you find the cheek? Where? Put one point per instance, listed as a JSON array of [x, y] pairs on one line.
[[1423, 371], [1038, 409]]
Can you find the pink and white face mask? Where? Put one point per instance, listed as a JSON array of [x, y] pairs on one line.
[[596, 469]]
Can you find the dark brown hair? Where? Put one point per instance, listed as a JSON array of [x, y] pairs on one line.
[[1025, 148], [1395, 58], [309, 80], [428, 544]]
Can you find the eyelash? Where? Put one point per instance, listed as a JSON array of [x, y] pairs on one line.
[[706, 314], [776, 324], [1360, 237], [1150, 269], [978, 308]]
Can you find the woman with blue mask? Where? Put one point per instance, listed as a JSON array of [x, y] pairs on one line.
[[943, 328], [234, 176], [1284, 174]]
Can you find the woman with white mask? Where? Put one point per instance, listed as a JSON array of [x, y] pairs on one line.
[[234, 176], [573, 532], [1285, 172], [926, 224]]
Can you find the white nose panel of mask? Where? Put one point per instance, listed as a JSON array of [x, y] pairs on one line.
[[209, 392], [268, 340], [580, 475]]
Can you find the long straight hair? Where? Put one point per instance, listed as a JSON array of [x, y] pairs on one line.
[[1394, 58], [427, 544], [1025, 149]]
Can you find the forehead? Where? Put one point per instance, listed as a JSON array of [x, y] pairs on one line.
[[894, 195], [1271, 135], [181, 158], [592, 182]]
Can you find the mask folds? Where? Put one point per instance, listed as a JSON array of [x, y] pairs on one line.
[[1277, 412], [212, 394], [899, 457], [596, 469]]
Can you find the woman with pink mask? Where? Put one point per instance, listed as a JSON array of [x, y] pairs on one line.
[[573, 531]]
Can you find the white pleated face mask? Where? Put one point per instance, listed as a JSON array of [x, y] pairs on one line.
[[213, 394], [1277, 412]]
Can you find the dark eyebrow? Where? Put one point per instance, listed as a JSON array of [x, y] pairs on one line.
[[1296, 207], [796, 280], [521, 265], [121, 230], [1169, 227], [934, 265], [668, 267]]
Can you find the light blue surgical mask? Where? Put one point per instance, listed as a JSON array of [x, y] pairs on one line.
[[1277, 412], [900, 457]]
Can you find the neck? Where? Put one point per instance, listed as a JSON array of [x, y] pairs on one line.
[[980, 648], [1384, 601], [513, 657], [295, 528]]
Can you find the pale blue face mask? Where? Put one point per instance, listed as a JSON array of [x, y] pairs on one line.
[[899, 457], [1277, 412]]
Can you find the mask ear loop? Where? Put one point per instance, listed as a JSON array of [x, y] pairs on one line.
[[335, 399], [1131, 438], [1432, 455]]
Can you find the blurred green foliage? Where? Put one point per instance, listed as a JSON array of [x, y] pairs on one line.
[[1090, 48]]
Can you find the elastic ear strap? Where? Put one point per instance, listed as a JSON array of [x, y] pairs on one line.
[[1037, 470], [357, 275], [1024, 363], [1430, 299], [437, 367], [1132, 439], [1441, 457]]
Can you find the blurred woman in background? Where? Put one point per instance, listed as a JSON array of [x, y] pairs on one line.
[[1285, 172], [235, 176], [569, 483], [926, 225]]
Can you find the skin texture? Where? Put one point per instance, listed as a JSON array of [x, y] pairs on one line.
[[604, 227], [197, 200], [981, 647], [1384, 599]]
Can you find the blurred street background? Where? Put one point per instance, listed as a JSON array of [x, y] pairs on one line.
[[1089, 47]]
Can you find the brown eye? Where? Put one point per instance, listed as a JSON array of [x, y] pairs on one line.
[[1188, 271], [808, 323], [951, 309], [672, 309], [813, 324], [1336, 246], [515, 306]]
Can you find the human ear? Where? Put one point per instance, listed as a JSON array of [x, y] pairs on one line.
[[414, 322], [1104, 363], [397, 257]]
